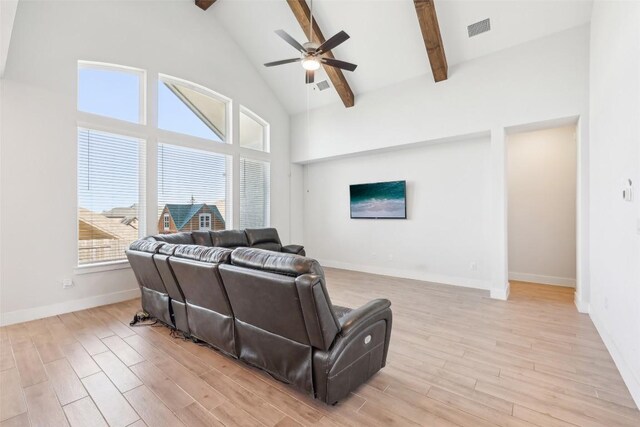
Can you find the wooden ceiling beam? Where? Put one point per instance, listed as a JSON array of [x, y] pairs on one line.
[[428, 20], [204, 4], [302, 13]]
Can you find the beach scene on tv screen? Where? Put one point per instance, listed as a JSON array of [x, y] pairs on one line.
[[378, 200]]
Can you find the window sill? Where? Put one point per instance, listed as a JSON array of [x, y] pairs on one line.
[[103, 266]]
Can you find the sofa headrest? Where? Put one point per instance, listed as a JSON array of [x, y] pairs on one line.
[[275, 262], [183, 238], [149, 246], [168, 248], [256, 236], [203, 253], [202, 238], [229, 238]]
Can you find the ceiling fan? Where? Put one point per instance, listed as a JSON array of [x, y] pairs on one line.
[[312, 54]]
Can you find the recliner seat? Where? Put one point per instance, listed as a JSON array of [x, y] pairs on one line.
[[177, 300], [267, 238], [286, 324], [209, 315], [155, 298]]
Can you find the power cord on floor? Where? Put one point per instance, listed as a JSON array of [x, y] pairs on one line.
[[142, 318]]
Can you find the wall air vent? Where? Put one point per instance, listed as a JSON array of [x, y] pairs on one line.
[[323, 85], [479, 27]]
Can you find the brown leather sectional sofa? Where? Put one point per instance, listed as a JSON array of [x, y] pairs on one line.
[[264, 304]]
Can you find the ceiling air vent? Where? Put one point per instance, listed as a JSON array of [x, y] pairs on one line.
[[479, 27], [323, 85]]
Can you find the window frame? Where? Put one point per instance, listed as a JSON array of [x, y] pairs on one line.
[[105, 66], [266, 130], [190, 144], [228, 137], [207, 220], [142, 196], [267, 210], [101, 123], [166, 222]]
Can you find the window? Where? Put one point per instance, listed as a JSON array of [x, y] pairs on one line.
[[192, 110], [191, 182], [111, 91], [205, 221], [195, 189], [109, 195], [254, 174], [254, 193], [254, 132]]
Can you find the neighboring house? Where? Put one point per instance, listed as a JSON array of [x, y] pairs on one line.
[[127, 215], [122, 212], [101, 238], [190, 217]]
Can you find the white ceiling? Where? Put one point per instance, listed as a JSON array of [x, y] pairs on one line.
[[386, 42]]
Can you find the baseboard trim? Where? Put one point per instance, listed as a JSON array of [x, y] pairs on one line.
[[544, 280], [501, 294], [34, 313], [464, 282], [632, 382], [582, 306]]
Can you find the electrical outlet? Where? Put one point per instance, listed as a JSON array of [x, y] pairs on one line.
[[606, 303], [390, 257], [67, 283]]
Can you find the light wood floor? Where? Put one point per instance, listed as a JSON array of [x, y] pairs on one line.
[[456, 358]]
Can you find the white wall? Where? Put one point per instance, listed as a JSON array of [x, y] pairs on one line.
[[540, 81], [615, 157], [448, 209], [7, 16], [541, 176], [38, 151], [533, 82]]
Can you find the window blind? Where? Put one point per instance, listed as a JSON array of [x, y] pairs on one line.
[[254, 193], [110, 195], [192, 185]]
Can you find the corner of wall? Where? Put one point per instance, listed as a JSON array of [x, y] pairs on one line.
[[501, 293], [626, 372], [581, 304]]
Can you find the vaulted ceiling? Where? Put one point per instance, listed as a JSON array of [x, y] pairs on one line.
[[386, 41]]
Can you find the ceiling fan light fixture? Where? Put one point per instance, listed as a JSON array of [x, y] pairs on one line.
[[311, 64]]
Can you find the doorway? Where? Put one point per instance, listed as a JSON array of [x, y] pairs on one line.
[[541, 208]]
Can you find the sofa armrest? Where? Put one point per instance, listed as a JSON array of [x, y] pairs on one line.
[[359, 351], [293, 249], [354, 318]]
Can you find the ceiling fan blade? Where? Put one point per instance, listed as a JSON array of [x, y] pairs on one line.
[[309, 76], [339, 64], [333, 42], [284, 61], [286, 37]]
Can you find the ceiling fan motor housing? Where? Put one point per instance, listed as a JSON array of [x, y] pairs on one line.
[[310, 47]]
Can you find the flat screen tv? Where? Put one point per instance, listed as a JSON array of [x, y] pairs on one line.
[[379, 200]]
